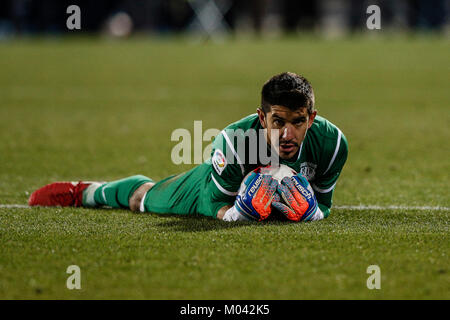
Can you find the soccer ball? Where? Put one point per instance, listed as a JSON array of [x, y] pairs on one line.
[[277, 172], [250, 182]]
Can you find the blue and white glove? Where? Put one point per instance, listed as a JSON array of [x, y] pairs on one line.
[[296, 200], [254, 198]]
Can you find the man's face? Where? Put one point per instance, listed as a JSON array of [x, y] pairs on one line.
[[291, 125]]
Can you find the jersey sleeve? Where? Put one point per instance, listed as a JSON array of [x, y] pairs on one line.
[[324, 185], [227, 172]]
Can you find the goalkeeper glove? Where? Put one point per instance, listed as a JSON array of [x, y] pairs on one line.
[[300, 203], [254, 199]]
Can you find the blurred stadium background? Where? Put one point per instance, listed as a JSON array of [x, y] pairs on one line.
[[123, 17]]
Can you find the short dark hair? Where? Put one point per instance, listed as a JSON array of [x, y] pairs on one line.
[[289, 90]]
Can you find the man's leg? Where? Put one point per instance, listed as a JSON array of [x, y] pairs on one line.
[[138, 195], [116, 194], [178, 194]]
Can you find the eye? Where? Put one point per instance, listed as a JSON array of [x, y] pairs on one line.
[[278, 123]]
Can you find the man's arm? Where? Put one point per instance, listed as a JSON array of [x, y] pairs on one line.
[[222, 211], [223, 197], [253, 203], [324, 185], [225, 178]]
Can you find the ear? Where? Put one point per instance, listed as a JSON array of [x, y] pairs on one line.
[[262, 117], [312, 116]]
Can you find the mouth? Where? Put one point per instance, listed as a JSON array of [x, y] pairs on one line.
[[287, 147]]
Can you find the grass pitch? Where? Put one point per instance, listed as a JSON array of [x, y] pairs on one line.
[[96, 110]]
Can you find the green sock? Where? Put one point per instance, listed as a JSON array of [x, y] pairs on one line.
[[114, 194]]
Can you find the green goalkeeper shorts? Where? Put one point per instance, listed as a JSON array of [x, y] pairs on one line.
[[179, 194]]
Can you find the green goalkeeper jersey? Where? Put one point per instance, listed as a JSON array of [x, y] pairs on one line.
[[320, 159], [235, 152]]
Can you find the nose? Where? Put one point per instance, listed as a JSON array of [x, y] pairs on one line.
[[287, 133]]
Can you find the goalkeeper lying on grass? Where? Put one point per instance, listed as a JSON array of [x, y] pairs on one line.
[[307, 143]]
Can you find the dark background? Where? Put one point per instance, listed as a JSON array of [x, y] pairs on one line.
[[25, 17]]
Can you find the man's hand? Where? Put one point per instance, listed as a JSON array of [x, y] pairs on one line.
[[254, 199], [295, 198]]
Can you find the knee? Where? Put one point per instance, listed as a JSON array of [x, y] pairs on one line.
[[136, 198]]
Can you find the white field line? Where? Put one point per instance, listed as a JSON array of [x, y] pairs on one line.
[[351, 208], [373, 207], [8, 206]]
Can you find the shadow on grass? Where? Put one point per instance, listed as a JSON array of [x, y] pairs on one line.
[[197, 223], [186, 223]]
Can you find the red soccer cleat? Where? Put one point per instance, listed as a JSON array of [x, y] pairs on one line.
[[64, 194]]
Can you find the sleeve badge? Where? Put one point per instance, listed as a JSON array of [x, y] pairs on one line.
[[219, 161]]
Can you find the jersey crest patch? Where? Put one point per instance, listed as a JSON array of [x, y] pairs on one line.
[[308, 169], [219, 161]]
